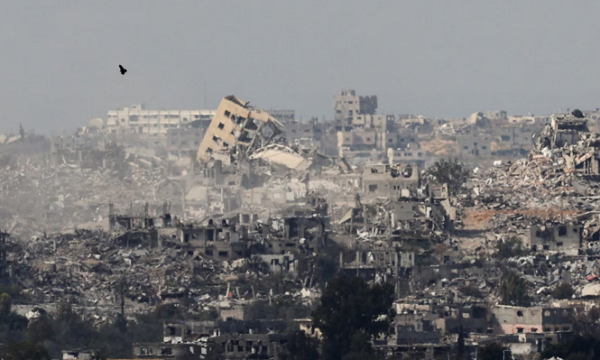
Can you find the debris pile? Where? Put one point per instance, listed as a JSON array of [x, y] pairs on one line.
[[37, 197]]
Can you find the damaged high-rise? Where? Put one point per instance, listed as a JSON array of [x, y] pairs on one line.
[[236, 130]]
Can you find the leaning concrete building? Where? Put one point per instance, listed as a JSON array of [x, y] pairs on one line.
[[236, 129]]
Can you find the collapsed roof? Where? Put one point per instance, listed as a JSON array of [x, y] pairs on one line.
[[282, 155]]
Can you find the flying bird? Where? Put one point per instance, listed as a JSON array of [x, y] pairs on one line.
[[123, 70]]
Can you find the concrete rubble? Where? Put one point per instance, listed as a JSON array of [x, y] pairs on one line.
[[252, 216]]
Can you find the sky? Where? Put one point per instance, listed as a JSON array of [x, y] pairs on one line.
[[59, 59]]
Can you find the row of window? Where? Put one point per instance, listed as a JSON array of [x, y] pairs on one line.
[[235, 346], [158, 125], [399, 154], [165, 116], [521, 330], [408, 140]]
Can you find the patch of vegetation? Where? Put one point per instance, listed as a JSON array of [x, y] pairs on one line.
[[471, 290], [514, 291], [350, 314], [563, 291], [451, 172], [511, 247]]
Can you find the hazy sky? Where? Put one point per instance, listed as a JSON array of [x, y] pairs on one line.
[[59, 59]]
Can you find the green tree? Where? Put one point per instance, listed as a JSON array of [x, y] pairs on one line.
[[361, 349], [13, 290], [349, 308], [12, 325], [493, 351], [563, 291], [451, 172], [594, 314], [121, 290], [513, 290], [65, 313], [70, 331], [25, 351], [167, 312], [40, 329], [100, 354], [511, 247], [326, 266], [5, 306], [120, 323], [300, 347]]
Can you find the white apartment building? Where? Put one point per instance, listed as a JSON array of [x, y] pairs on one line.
[[136, 119]]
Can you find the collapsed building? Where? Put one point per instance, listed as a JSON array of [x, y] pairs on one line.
[[256, 208], [563, 238], [390, 180], [236, 130]]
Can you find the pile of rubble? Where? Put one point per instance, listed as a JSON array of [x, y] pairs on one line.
[[87, 267], [39, 197], [558, 180]]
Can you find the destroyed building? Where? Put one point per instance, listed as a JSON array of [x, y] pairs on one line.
[[245, 346], [415, 328], [420, 214], [349, 107], [236, 130], [390, 180], [383, 265], [357, 140], [564, 129], [253, 218], [563, 238], [408, 156], [188, 330], [221, 242], [169, 351], [517, 320]]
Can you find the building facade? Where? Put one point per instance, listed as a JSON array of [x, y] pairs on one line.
[[136, 119]]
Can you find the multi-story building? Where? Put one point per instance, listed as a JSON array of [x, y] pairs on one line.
[[498, 141], [284, 116], [517, 320], [398, 140], [555, 237], [236, 126], [136, 119], [386, 180], [407, 156], [357, 140], [297, 131], [351, 110], [474, 144]]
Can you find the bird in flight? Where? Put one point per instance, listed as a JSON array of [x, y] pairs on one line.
[[123, 70]]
